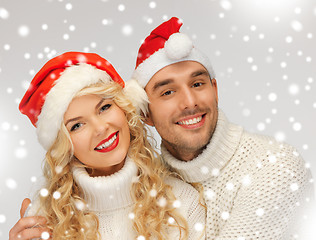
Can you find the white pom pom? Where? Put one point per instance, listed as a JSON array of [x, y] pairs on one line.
[[137, 95], [178, 46]]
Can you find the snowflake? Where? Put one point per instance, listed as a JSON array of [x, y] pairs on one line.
[[127, 30], [56, 195], [226, 5], [162, 202], [225, 215], [68, 6], [229, 186], [23, 31], [152, 4], [11, 183], [204, 170], [260, 212], [4, 14], [177, 204], [296, 25], [45, 235], [294, 187], [2, 218], [121, 7], [131, 215], [198, 227], [153, 192], [209, 193], [44, 192], [171, 220]]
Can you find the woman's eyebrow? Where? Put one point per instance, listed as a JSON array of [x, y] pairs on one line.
[[72, 119]]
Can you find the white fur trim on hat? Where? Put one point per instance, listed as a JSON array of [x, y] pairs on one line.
[[178, 46], [160, 59], [71, 81], [137, 95]]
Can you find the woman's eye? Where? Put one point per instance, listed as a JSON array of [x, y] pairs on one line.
[[105, 107], [76, 126]]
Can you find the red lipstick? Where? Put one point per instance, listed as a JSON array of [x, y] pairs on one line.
[[111, 146]]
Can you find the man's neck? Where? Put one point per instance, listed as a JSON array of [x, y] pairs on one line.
[[182, 154]]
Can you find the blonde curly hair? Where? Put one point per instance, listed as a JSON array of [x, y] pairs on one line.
[[151, 220]]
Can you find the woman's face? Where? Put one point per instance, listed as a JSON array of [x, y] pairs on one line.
[[99, 132]]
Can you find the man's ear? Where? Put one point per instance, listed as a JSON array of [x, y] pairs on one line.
[[214, 84], [148, 119]]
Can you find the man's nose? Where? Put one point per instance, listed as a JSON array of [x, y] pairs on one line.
[[188, 98]]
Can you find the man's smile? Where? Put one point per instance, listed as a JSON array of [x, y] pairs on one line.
[[192, 121]]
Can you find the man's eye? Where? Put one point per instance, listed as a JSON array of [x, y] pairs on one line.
[[75, 127], [167, 93], [198, 84], [105, 107]]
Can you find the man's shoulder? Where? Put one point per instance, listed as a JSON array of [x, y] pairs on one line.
[[270, 152], [267, 142], [180, 187]]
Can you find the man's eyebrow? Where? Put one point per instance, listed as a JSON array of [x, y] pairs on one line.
[[161, 83], [77, 118], [199, 73]]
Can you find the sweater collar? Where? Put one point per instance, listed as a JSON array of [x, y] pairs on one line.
[[214, 157], [107, 192]]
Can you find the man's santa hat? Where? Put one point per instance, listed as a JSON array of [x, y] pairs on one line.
[[57, 83], [164, 46]]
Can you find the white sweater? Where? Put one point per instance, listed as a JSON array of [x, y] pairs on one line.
[[252, 184], [110, 199]]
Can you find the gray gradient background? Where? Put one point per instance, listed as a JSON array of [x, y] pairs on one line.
[[248, 41]]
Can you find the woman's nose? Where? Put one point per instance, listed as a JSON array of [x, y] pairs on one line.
[[99, 125]]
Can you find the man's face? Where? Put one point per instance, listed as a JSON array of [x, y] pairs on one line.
[[183, 108]]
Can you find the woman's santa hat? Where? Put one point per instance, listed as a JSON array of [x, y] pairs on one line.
[[57, 83], [164, 46]]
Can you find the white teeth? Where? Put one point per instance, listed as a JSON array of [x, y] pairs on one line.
[[191, 121], [108, 143]]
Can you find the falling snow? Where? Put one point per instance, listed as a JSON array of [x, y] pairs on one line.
[[225, 215], [199, 227], [23, 31], [44, 192], [264, 66], [4, 14], [127, 30], [171, 220], [2, 218], [260, 212], [176, 204], [11, 183], [45, 235]]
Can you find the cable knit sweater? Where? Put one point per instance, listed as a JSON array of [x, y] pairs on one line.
[[252, 184], [110, 199]]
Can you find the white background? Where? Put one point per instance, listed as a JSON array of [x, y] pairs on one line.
[[263, 53]]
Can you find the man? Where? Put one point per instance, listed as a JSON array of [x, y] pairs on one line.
[[253, 186]]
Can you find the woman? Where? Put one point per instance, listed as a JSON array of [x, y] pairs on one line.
[[103, 179]]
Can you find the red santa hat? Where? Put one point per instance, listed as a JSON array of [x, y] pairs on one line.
[[164, 46], [57, 83]]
